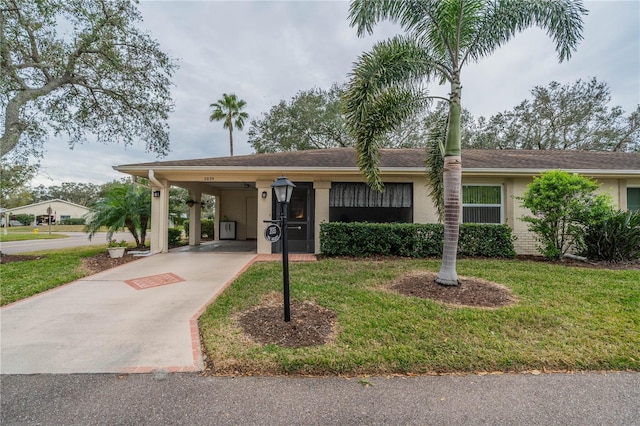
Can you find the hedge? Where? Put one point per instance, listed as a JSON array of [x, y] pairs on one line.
[[412, 239], [174, 237], [207, 227], [73, 221]]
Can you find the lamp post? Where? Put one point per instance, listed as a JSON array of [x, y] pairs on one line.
[[283, 188]]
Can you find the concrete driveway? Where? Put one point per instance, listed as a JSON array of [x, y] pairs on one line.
[[138, 317]]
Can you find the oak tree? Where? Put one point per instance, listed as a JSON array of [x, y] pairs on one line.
[[79, 67]]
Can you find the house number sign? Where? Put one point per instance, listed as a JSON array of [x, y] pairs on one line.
[[272, 233]]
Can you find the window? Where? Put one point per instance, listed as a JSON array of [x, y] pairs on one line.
[[356, 202], [633, 199], [482, 204]]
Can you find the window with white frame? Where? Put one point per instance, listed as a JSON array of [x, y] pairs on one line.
[[482, 204], [633, 199]]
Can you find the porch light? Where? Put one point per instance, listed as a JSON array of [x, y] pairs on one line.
[[283, 188], [264, 194], [156, 194]]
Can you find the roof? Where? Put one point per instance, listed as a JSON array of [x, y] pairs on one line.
[[47, 202], [414, 158]]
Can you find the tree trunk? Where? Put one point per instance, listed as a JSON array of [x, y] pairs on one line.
[[132, 229], [230, 137], [144, 221], [452, 188], [452, 179]]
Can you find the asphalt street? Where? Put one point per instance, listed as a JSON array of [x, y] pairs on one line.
[[189, 399], [74, 239]]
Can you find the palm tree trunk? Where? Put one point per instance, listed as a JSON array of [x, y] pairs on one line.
[[230, 136], [452, 178], [132, 229], [452, 188], [144, 221]]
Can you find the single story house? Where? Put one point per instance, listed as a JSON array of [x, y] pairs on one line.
[[60, 210], [329, 187]]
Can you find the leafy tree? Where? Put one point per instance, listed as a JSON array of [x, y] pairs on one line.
[[124, 206], [562, 205], [310, 120], [571, 116], [442, 36], [84, 194], [228, 110], [313, 119], [14, 178], [101, 76]]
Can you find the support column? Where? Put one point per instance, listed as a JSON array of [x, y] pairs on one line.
[[195, 224], [160, 218], [264, 213], [322, 209]]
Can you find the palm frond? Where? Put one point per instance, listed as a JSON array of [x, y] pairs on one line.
[[502, 20], [383, 92], [434, 164]]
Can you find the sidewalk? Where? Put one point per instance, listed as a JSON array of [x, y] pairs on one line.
[[138, 317]]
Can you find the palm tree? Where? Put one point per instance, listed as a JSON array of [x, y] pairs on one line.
[[442, 36], [227, 110], [123, 206]]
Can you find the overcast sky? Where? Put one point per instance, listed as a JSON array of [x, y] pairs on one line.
[[267, 51]]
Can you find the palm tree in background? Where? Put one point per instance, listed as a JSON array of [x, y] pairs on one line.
[[228, 109], [441, 37]]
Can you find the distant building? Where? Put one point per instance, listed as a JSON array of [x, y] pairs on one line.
[[60, 210]]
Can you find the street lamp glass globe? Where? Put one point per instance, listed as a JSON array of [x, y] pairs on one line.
[[283, 188]]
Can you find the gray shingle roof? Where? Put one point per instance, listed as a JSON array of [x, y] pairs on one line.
[[414, 158]]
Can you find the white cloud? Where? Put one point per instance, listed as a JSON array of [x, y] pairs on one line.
[[266, 51]]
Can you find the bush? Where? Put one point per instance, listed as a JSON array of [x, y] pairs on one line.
[[412, 239], [562, 203], [175, 237], [73, 221], [25, 219], [616, 238], [207, 227]]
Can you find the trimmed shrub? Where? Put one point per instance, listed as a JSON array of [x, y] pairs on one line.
[[175, 237], [412, 239], [73, 221], [614, 239], [207, 227]]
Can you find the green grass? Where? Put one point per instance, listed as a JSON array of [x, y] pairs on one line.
[[566, 319], [23, 279], [23, 233], [16, 236]]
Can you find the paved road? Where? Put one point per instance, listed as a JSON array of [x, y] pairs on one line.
[[75, 239], [188, 399]]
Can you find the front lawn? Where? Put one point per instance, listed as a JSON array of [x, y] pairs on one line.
[[52, 268], [25, 236], [566, 318]]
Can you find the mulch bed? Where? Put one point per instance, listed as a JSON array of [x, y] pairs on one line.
[[102, 261], [472, 292], [10, 258], [310, 324]]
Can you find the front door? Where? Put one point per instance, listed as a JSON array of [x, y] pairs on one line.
[[300, 214]]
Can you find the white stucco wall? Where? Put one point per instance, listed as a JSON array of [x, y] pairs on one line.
[[59, 208]]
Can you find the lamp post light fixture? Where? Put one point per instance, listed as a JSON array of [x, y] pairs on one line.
[[283, 188]]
